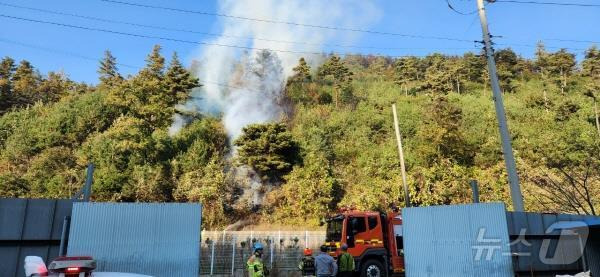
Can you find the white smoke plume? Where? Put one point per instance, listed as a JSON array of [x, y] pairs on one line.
[[246, 86], [244, 98]]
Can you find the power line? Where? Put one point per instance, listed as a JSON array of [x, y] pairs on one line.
[[547, 3], [285, 22], [152, 37], [457, 11], [206, 33], [183, 40], [62, 52], [574, 40]]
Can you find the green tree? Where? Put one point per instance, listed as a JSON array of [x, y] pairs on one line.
[[342, 77], [438, 77], [561, 65], [299, 87], [406, 70], [7, 69], [55, 86], [147, 95], [108, 71], [307, 195], [301, 72], [25, 83], [474, 66], [591, 63], [206, 185], [155, 64], [443, 134], [179, 81], [269, 149], [506, 62], [591, 68]]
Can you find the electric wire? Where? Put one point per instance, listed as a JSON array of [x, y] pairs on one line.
[[206, 33], [183, 40], [62, 52], [285, 22], [547, 3], [459, 12]]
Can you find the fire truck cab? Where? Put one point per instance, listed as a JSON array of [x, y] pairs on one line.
[[374, 239]]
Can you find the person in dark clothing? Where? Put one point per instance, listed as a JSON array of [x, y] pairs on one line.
[[307, 265]]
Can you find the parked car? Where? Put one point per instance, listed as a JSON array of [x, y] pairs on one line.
[[80, 266]]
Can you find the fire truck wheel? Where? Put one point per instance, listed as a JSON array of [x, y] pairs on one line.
[[372, 268]]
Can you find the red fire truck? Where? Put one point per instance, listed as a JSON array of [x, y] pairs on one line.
[[374, 239]]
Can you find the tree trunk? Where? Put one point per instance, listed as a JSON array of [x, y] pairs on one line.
[[335, 96], [545, 100], [596, 113], [458, 85], [562, 85], [544, 91]]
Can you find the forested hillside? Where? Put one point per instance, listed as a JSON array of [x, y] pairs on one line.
[[333, 147]]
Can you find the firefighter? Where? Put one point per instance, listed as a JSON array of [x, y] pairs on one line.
[[256, 268], [307, 264], [346, 262]]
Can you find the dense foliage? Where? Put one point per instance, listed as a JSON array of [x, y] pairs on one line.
[[335, 146]]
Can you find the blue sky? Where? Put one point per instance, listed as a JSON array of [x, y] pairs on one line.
[[51, 47]]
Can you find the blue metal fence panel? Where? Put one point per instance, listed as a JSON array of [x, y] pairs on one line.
[[147, 238], [30, 227], [457, 240]]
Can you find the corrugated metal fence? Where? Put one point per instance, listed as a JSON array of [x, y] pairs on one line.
[[158, 239], [457, 240], [29, 227]]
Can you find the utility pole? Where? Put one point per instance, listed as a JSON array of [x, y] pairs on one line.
[[509, 159], [401, 152]]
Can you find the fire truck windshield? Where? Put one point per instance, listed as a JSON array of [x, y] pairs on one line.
[[334, 228]]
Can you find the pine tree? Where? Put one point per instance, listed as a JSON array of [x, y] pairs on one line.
[[406, 71], [506, 62], [591, 68], [302, 71], [591, 63], [438, 78], [561, 65], [474, 66], [108, 71], [25, 82], [541, 65], [7, 69], [342, 77], [52, 88], [179, 81], [155, 64]]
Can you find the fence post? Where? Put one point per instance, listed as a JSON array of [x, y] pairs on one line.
[[305, 239], [233, 256], [272, 246], [212, 258], [279, 239]]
